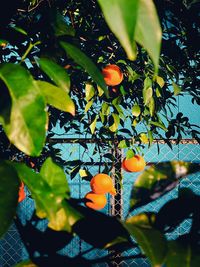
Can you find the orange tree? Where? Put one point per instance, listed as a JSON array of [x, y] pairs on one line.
[[52, 54]]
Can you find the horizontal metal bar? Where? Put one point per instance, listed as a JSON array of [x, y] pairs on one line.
[[99, 140]]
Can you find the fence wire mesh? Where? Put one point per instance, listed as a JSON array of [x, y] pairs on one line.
[[11, 246]]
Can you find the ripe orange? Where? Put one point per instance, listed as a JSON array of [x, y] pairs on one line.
[[112, 75], [102, 184], [21, 194], [134, 164], [96, 201]]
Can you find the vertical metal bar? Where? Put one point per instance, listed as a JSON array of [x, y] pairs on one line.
[[117, 200]]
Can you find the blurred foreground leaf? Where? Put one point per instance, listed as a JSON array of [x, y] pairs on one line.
[[158, 180]]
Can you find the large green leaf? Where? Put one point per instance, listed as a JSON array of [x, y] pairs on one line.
[[55, 177], [148, 31], [56, 73], [150, 240], [49, 201], [9, 187], [158, 180], [56, 97], [181, 254], [121, 16], [85, 62], [26, 121]]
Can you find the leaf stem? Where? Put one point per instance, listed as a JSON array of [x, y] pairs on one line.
[[29, 49]]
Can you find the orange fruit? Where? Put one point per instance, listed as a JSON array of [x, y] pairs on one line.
[[112, 75], [96, 201], [102, 184], [134, 164], [21, 194]]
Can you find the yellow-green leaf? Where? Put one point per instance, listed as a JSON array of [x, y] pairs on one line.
[[56, 97], [93, 125], [148, 31], [136, 110], [121, 17]]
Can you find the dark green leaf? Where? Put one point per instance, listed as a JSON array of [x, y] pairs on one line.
[[56, 97], [9, 188], [25, 125], [56, 73], [183, 255], [150, 240], [61, 27], [148, 30], [86, 63], [121, 17], [159, 179], [97, 228]]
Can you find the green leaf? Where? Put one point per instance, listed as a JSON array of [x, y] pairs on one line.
[[55, 177], [150, 136], [130, 153], [89, 91], [123, 144], [158, 124], [56, 73], [151, 106], [181, 254], [150, 240], [88, 105], [148, 31], [86, 63], [56, 97], [26, 124], [114, 126], [136, 110], [50, 201], [158, 180], [121, 17], [105, 109], [177, 89], [19, 29], [93, 125], [9, 188], [147, 95], [26, 263]]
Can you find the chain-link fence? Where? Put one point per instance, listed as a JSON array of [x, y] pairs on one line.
[[11, 247]]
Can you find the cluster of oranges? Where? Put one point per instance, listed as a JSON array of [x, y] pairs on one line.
[[100, 184]]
